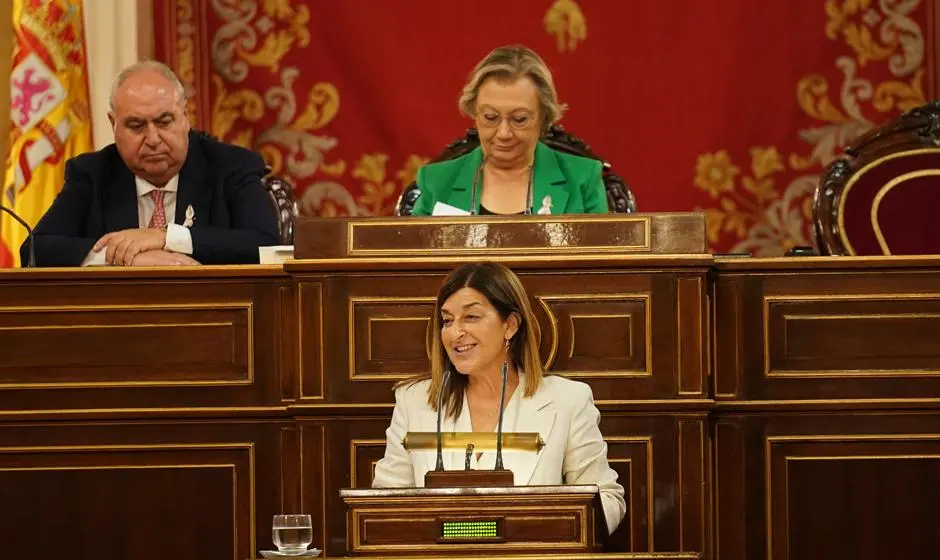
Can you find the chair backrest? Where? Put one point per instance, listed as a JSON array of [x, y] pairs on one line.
[[282, 194], [884, 196], [620, 198]]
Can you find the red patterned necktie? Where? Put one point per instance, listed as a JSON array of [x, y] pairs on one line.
[[158, 220]]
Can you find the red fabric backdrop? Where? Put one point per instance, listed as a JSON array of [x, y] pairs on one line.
[[730, 107]]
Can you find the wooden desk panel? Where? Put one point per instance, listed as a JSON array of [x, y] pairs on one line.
[[631, 335], [661, 461], [809, 357], [855, 485], [826, 333], [141, 490], [827, 417], [488, 236], [105, 340]]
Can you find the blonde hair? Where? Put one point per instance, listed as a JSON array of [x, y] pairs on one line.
[[511, 63], [503, 289]]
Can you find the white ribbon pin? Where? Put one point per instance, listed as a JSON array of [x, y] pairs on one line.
[[546, 205], [190, 216]]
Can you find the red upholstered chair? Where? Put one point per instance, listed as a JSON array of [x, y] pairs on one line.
[[884, 197], [620, 198]]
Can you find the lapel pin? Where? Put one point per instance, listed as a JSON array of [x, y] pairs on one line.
[[546, 205], [190, 216]]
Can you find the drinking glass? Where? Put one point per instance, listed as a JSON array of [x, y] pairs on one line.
[[292, 534]]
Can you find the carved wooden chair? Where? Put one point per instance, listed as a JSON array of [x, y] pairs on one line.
[[282, 193], [884, 197], [620, 198]]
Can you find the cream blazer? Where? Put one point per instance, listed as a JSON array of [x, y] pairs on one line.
[[562, 411]]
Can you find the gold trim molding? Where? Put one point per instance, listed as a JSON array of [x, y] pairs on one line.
[[246, 306], [854, 374], [235, 446], [485, 222]]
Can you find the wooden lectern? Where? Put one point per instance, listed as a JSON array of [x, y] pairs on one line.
[[470, 521], [327, 241], [465, 511], [459, 516], [474, 511]]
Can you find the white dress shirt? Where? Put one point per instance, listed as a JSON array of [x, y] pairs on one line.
[[178, 238]]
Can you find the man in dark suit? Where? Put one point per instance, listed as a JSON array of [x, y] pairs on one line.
[[161, 194]]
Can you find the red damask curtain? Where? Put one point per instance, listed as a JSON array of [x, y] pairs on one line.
[[729, 107]]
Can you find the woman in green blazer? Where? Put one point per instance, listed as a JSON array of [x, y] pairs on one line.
[[511, 97]]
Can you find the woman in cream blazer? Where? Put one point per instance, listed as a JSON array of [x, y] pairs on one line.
[[562, 411]]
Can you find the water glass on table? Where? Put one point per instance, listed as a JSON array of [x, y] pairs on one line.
[[292, 534]]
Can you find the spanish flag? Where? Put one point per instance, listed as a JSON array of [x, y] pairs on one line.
[[49, 109]]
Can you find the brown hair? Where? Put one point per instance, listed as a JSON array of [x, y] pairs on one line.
[[505, 292], [511, 63]]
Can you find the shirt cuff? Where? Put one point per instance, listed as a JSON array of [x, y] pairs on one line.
[[179, 239], [95, 258]]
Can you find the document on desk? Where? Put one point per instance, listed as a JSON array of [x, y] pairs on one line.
[[275, 254], [441, 209]]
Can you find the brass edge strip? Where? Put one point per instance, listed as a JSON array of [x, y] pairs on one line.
[[205, 410], [674, 260], [237, 305], [860, 457], [786, 402]]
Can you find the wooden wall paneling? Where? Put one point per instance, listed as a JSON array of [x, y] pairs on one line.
[[160, 344], [338, 452], [141, 489], [858, 335], [862, 485]]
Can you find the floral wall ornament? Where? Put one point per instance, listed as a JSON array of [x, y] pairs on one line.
[[346, 107], [770, 210], [565, 20]]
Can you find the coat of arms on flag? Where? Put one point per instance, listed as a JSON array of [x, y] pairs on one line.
[[49, 111]]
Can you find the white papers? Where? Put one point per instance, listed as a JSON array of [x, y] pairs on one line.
[[441, 209], [275, 254]]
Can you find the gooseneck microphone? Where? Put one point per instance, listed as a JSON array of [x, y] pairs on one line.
[[440, 407], [528, 192], [476, 185], [499, 425], [473, 190], [31, 263]]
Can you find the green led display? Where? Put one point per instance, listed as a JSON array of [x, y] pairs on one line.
[[468, 530]]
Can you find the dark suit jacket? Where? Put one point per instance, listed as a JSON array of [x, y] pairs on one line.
[[234, 215]]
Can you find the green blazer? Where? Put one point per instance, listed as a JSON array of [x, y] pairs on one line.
[[568, 184]]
